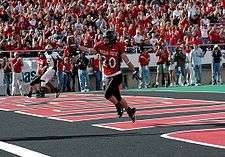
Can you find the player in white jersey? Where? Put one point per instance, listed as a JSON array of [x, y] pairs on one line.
[[52, 60]]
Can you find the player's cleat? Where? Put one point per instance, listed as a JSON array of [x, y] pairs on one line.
[[57, 93], [119, 110], [131, 113], [29, 95]]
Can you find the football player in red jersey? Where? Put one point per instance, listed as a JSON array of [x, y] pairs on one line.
[[112, 53]]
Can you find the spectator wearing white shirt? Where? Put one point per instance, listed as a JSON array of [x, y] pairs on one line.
[[196, 58], [191, 11], [19, 7], [176, 15], [189, 68], [204, 34], [153, 41], [205, 21], [101, 23], [138, 38], [78, 25]]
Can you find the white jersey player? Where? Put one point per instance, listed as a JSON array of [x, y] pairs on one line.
[[52, 60]]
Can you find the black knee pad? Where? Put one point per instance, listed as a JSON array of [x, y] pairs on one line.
[[108, 94], [118, 97]]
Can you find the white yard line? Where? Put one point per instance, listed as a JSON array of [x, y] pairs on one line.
[[170, 136], [20, 151]]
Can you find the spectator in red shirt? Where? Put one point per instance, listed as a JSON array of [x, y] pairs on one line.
[[17, 78], [162, 66], [214, 36], [144, 59]]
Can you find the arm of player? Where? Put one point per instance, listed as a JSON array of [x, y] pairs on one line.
[[127, 61], [130, 66], [89, 50]]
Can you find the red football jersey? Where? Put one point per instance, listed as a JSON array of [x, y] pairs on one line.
[[41, 62], [111, 57]]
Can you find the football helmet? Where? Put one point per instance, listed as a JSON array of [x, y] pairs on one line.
[[109, 37]]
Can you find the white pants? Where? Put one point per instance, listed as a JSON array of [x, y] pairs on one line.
[[47, 76], [17, 81], [192, 74]]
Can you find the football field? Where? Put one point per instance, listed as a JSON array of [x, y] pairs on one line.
[[171, 122]]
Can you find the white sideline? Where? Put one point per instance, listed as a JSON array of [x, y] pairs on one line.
[[20, 151]]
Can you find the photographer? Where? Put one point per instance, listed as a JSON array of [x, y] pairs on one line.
[[82, 63], [216, 60]]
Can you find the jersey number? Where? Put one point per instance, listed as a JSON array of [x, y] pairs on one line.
[[111, 62]]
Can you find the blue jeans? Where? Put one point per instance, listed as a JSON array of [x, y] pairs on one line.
[[198, 73], [7, 80], [66, 81], [216, 72], [60, 80], [98, 77], [144, 75], [83, 79], [205, 40], [180, 71]]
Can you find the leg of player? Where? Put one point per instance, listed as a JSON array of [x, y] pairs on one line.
[[35, 81], [117, 104], [45, 78], [130, 111], [112, 94], [56, 90]]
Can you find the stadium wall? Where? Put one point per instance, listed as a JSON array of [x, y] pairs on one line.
[[29, 71]]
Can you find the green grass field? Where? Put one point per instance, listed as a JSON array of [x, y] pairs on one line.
[[198, 89]]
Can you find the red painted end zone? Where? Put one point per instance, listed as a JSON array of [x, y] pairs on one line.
[[168, 121], [206, 137]]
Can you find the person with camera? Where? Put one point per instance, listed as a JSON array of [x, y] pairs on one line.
[[216, 60], [82, 63], [180, 59]]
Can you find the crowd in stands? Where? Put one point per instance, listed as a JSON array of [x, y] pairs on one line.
[[33, 24], [27, 25]]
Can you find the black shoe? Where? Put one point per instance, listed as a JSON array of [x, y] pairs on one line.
[[131, 113], [29, 95], [57, 93], [119, 110], [41, 95]]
